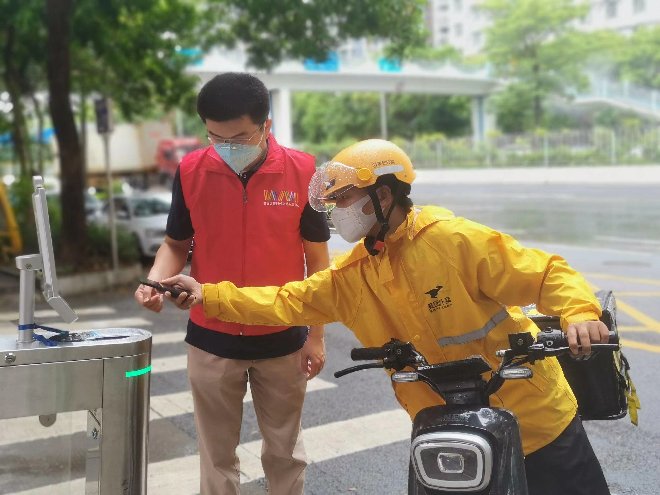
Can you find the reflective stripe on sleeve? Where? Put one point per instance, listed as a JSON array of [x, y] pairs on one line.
[[480, 333]]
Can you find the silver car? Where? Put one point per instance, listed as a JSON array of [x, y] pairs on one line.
[[143, 214]]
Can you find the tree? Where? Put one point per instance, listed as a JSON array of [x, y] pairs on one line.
[[123, 49], [321, 117], [639, 60], [58, 15], [130, 50], [272, 30], [134, 72], [22, 37], [535, 45], [412, 115]]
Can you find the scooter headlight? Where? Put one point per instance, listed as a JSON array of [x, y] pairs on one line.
[[455, 461]]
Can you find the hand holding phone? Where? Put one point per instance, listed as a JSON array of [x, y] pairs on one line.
[[162, 288]]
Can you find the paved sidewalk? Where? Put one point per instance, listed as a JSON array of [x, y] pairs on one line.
[[628, 174]]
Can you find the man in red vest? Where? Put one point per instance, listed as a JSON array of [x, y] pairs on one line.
[[243, 199]]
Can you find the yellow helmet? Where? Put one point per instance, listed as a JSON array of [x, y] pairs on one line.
[[358, 165]]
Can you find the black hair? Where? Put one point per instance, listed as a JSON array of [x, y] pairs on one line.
[[231, 95], [400, 190]]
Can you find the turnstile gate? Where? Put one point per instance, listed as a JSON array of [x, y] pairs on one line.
[[103, 371], [106, 373]]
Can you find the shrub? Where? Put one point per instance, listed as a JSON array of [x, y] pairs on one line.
[[98, 254]]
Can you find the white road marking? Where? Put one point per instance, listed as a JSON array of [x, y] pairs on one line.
[[28, 429], [168, 337], [180, 476]]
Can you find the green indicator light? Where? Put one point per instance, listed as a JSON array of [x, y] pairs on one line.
[[142, 371]]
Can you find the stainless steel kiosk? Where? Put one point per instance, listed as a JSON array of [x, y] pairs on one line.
[[103, 371]]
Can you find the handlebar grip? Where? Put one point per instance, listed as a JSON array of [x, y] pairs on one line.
[[368, 354], [594, 348], [558, 338]]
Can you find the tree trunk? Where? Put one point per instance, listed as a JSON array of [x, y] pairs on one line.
[[538, 97], [74, 235], [19, 131]]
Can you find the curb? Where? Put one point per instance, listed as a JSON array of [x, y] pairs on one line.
[[578, 175], [82, 283]]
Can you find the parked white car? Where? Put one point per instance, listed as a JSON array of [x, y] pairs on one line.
[[93, 205], [144, 214]]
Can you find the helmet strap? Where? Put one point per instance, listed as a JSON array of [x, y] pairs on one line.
[[374, 245]]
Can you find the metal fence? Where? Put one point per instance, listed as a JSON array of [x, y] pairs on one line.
[[599, 146]]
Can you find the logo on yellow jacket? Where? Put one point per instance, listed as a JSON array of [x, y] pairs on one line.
[[437, 303]]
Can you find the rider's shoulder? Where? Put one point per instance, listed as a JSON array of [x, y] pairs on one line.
[[447, 232], [356, 254]]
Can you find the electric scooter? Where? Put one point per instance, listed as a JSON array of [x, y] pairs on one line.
[[467, 446]]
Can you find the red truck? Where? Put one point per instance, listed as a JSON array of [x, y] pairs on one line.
[[170, 151]]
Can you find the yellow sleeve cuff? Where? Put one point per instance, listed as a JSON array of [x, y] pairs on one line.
[[211, 300], [577, 318]]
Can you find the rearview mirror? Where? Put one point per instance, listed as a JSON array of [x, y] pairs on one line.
[[516, 373], [405, 376]]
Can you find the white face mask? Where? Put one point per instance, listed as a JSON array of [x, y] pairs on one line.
[[351, 223]]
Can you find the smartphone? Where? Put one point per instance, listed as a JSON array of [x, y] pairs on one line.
[[162, 288]]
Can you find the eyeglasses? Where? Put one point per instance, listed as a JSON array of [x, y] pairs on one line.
[[220, 140]]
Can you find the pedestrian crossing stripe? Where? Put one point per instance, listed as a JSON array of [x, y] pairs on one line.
[[322, 443], [167, 338], [161, 407]]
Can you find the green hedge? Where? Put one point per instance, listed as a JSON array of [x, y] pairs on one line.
[[98, 245]]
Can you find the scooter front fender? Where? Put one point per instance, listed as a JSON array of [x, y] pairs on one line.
[[498, 426]]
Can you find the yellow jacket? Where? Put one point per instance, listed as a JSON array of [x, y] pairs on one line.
[[450, 286]]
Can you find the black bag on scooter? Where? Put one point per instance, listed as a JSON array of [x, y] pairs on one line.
[[601, 383]]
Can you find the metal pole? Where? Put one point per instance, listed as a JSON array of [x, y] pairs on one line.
[[27, 265], [383, 115], [111, 203]]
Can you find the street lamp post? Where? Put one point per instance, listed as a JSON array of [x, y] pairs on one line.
[[104, 127]]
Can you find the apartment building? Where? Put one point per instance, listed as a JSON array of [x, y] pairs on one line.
[[462, 24], [459, 23]]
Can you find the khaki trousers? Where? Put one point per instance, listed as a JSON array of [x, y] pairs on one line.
[[278, 391]]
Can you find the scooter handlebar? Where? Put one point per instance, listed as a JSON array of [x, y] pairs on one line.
[[556, 338], [366, 366], [368, 354]]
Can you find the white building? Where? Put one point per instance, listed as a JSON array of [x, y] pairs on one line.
[[460, 23], [622, 15]]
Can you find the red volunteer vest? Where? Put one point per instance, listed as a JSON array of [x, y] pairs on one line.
[[249, 236]]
